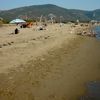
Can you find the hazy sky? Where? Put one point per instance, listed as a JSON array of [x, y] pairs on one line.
[[70, 4]]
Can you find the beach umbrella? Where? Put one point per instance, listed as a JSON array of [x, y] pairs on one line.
[[15, 21]]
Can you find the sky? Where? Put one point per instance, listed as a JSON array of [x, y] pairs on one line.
[[69, 4]]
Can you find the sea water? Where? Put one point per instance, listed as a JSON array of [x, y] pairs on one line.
[[97, 31], [93, 91]]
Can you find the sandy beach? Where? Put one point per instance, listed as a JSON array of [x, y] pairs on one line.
[[52, 64], [30, 43]]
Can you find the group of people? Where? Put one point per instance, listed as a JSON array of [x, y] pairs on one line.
[[23, 25]]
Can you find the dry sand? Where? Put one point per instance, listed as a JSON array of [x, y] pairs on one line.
[[52, 64], [29, 43]]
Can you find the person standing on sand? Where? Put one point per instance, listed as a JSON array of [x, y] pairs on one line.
[[16, 31]]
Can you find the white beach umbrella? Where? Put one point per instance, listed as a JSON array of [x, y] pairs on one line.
[[17, 21]]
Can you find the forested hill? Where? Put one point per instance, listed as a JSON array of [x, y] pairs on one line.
[[35, 11]]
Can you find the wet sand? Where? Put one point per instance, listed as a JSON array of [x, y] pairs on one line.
[[59, 74]]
